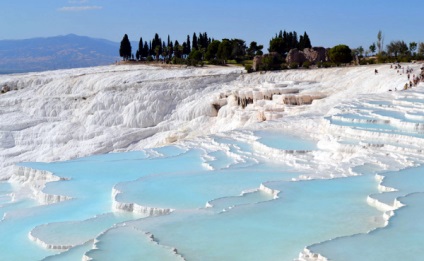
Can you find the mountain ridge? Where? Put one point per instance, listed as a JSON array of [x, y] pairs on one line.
[[58, 52]]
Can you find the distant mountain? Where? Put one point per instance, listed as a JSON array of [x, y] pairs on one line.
[[60, 52]]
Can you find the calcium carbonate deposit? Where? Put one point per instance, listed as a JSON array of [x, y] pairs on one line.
[[143, 162]]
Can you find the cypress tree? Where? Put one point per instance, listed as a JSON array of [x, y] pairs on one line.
[[200, 41], [185, 48], [307, 41], [162, 48], [156, 42], [125, 48], [145, 52], [139, 53], [301, 45], [170, 50], [177, 52], [295, 42], [194, 44], [188, 49]]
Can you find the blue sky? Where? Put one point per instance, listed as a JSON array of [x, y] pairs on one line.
[[327, 22]]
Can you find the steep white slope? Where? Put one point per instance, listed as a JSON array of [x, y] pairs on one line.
[[64, 114]]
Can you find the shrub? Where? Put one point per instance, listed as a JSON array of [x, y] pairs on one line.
[[306, 64], [248, 68], [195, 58], [381, 58], [216, 62], [284, 66], [293, 65], [327, 64], [270, 62], [149, 58], [405, 59], [176, 60]]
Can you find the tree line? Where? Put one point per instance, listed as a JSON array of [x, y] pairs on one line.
[[201, 48], [284, 42], [395, 51]]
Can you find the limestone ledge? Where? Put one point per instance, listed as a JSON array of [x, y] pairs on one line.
[[33, 182], [273, 192], [50, 246], [349, 132], [307, 255], [150, 237], [136, 208]]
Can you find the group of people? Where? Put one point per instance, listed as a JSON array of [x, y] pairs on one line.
[[412, 81]]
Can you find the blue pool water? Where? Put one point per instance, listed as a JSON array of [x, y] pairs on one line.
[[402, 239], [177, 178], [275, 139]]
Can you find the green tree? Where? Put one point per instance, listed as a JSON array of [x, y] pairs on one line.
[[146, 50], [380, 41], [254, 49], [211, 52], [276, 45], [156, 46], [188, 46], [139, 52], [151, 51], [125, 48], [413, 47], [203, 41], [194, 58], [238, 49], [224, 50], [372, 48], [177, 49], [157, 52], [306, 41], [421, 49], [194, 43], [397, 48], [360, 51], [340, 54], [284, 42]]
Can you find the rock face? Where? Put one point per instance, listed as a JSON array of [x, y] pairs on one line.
[[313, 55], [316, 54], [295, 56], [257, 60]]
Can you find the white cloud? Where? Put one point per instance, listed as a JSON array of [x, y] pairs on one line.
[[77, 1], [79, 8]]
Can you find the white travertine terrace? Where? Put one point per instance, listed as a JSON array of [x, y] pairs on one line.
[[66, 114]]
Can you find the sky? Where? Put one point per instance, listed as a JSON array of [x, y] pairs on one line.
[[327, 22]]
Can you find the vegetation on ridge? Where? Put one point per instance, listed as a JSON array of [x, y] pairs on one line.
[[200, 49]]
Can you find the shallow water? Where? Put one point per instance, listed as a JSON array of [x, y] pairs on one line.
[[402, 239], [252, 231], [274, 139], [219, 211]]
